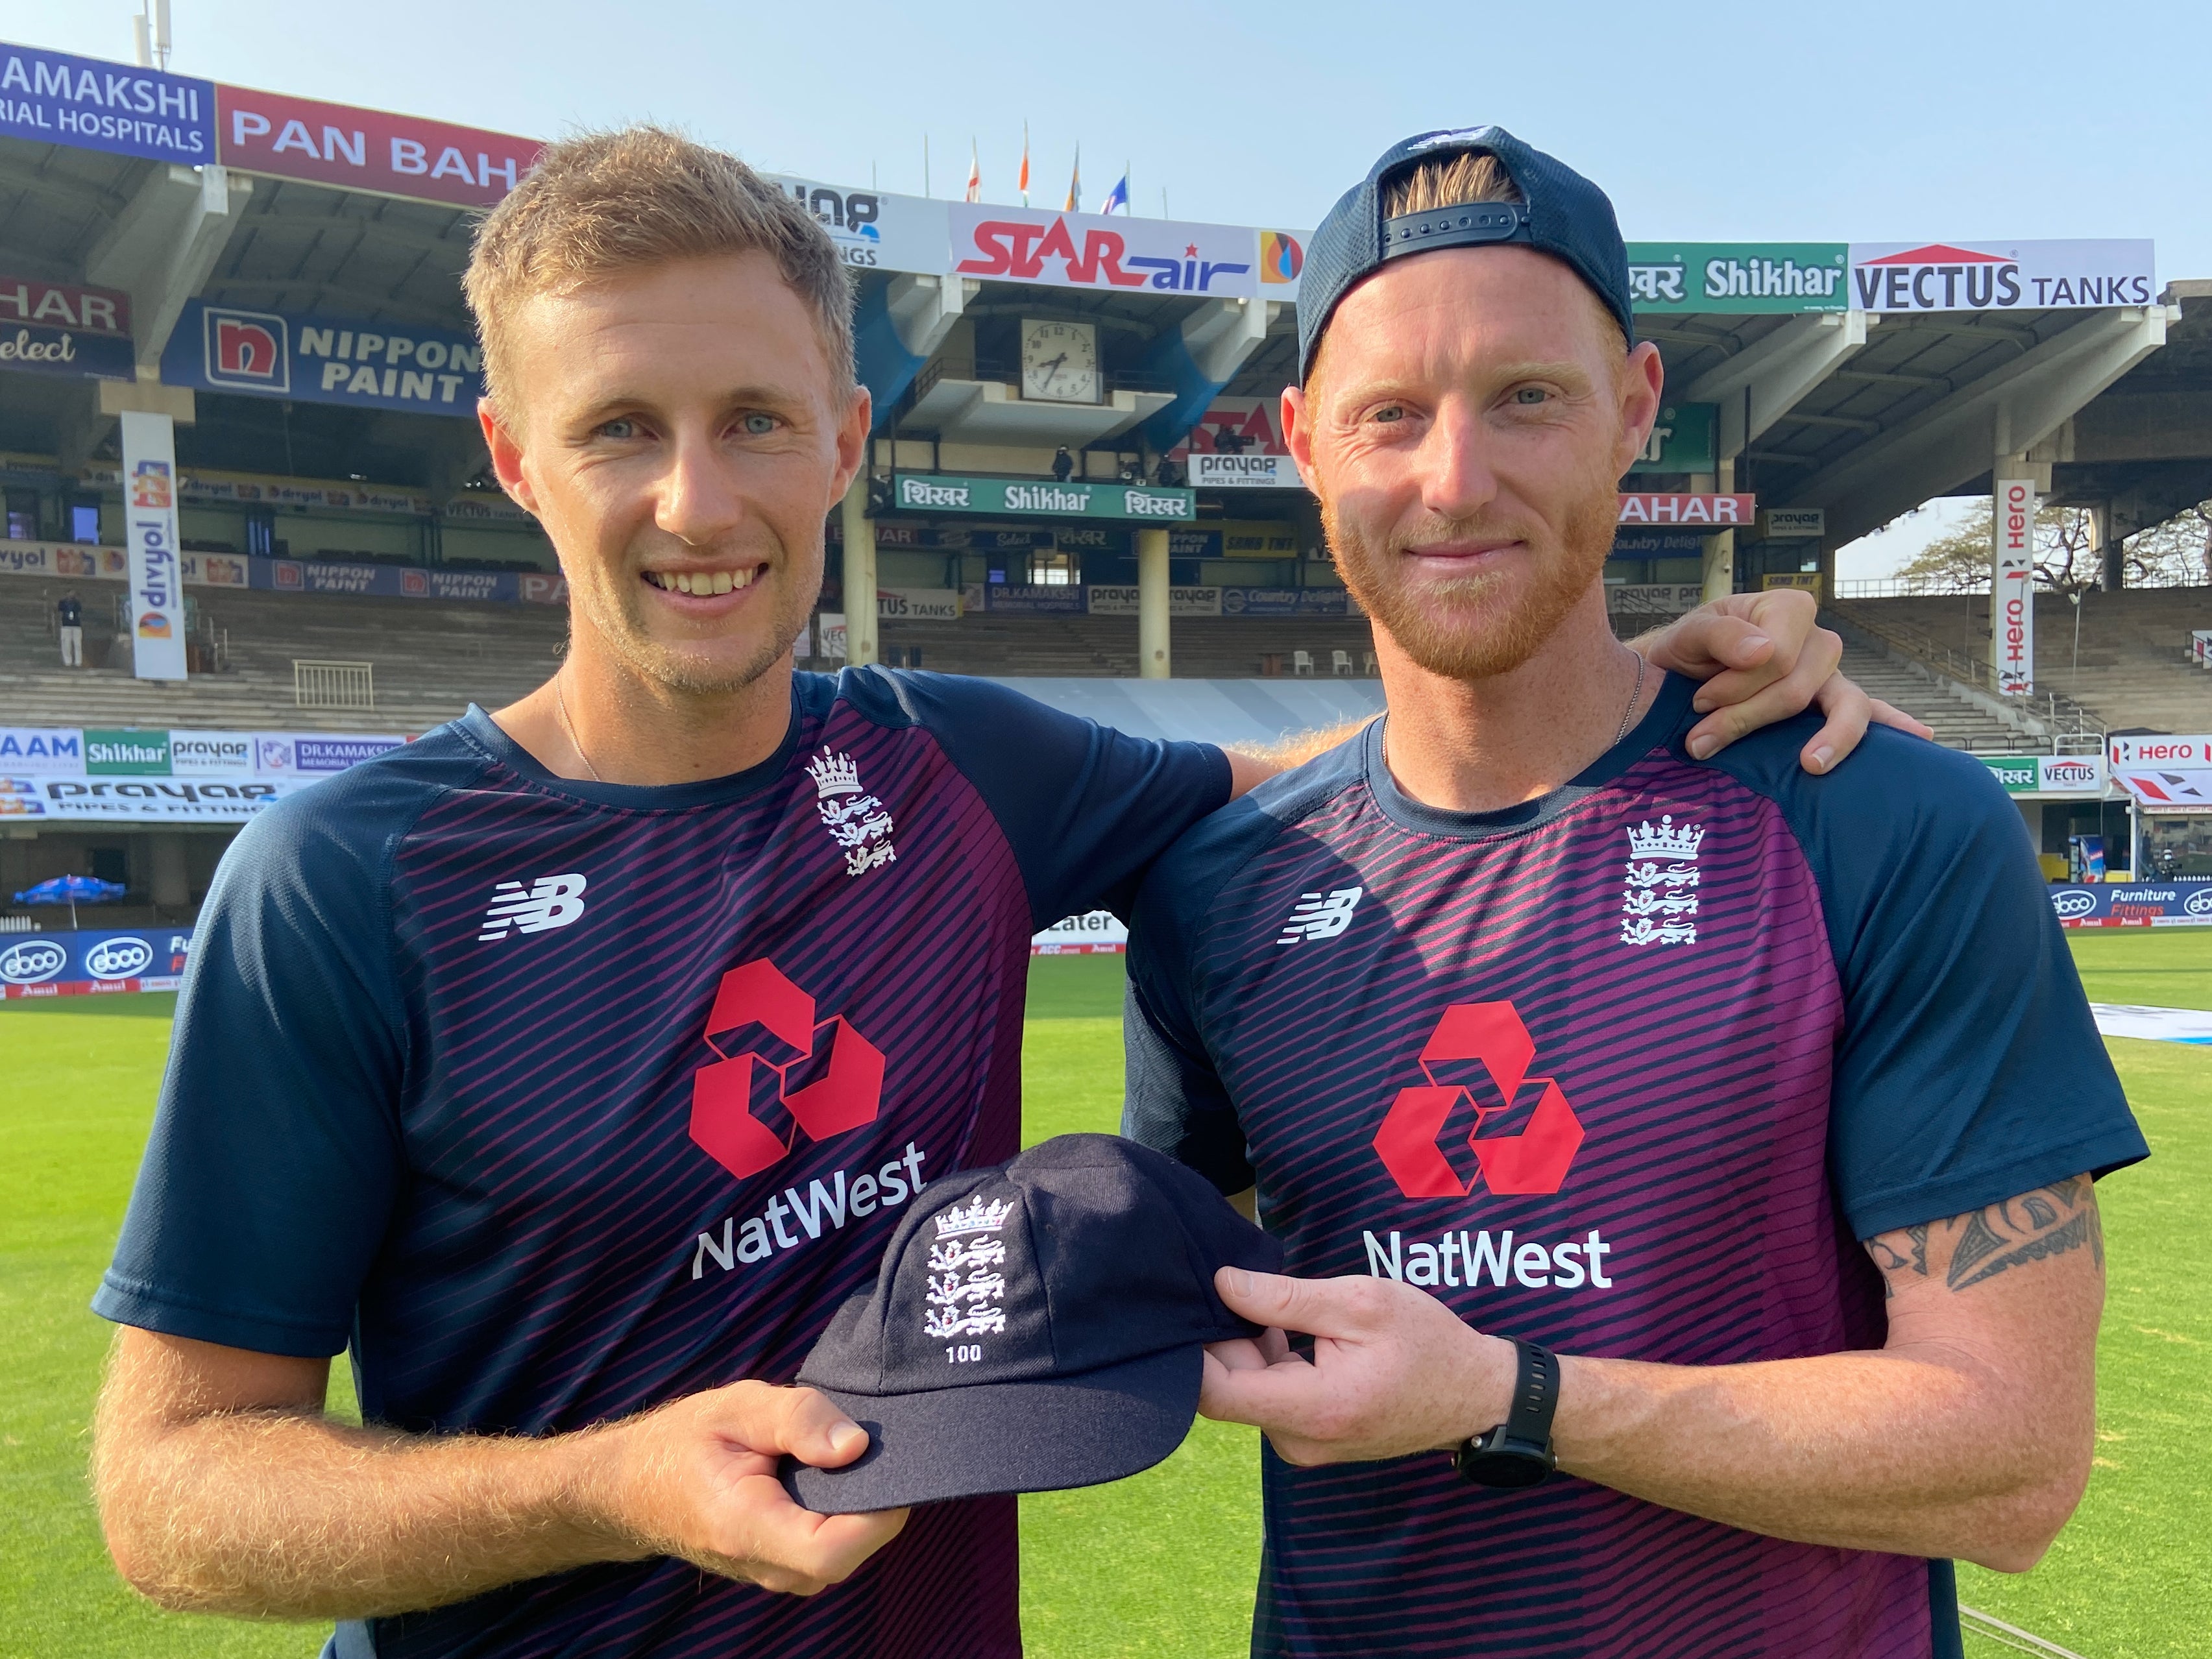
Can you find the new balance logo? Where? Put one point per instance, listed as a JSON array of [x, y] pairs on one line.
[[1321, 915], [551, 902]]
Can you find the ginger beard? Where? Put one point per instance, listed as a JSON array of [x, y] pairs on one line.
[[1474, 627]]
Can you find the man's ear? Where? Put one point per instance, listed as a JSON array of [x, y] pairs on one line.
[[506, 456], [853, 440], [1643, 382], [1297, 432]]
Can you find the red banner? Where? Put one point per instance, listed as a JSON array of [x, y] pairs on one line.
[[368, 150], [1705, 511]]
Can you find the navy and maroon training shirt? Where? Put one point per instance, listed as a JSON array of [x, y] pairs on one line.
[[1628, 1070], [555, 1101]]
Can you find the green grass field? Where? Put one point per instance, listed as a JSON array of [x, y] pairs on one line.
[[1162, 1564]]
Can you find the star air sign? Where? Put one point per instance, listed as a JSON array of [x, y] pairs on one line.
[[2001, 276]]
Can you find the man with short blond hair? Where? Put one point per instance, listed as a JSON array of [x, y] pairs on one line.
[[1683, 1165], [572, 1065]]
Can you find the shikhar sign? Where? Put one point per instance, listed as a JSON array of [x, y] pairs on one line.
[[1023, 498]]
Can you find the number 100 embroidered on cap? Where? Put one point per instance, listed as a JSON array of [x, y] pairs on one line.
[[1036, 1326]]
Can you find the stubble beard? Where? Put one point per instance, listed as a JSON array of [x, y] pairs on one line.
[[617, 614], [1475, 627]]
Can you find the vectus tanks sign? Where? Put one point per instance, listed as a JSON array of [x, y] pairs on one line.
[[52, 328], [1021, 497], [52, 98], [1687, 278], [2001, 276], [369, 149], [324, 360]]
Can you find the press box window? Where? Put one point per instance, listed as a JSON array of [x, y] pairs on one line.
[[84, 521]]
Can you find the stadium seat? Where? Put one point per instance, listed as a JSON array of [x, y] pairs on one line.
[[1302, 662], [1339, 664]]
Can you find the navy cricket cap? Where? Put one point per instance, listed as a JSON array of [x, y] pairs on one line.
[[1562, 213], [1036, 1326]]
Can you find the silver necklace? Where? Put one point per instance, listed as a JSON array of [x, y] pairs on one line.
[[1627, 714], [568, 727]]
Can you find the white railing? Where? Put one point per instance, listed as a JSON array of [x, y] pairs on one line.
[[1903, 587], [333, 684]]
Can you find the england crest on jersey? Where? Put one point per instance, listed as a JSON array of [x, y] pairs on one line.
[[1659, 893], [859, 824]]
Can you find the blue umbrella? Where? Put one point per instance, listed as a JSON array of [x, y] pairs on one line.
[[70, 890]]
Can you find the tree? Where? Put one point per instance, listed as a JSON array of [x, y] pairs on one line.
[[2175, 554]]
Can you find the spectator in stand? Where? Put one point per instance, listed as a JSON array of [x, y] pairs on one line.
[[71, 609]]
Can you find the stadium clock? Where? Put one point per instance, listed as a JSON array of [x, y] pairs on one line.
[[1059, 362]]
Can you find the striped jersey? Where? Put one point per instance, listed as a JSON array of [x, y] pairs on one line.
[[1628, 1070], [555, 1101]]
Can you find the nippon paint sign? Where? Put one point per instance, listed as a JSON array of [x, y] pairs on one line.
[[2001, 276], [2012, 642], [324, 360]]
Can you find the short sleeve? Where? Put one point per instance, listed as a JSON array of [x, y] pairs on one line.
[[1969, 1069], [274, 1161], [1086, 808]]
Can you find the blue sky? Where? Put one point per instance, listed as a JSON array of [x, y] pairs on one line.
[[1720, 122]]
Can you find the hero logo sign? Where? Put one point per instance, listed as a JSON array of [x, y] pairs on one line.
[[1534, 1160], [2013, 589], [847, 1094]]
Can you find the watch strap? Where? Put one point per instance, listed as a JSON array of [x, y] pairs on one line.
[[1535, 1396]]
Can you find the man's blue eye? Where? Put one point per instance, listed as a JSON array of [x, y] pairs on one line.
[[1393, 413], [618, 430], [758, 425], [1531, 394]]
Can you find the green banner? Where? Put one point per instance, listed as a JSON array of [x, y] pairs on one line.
[[1685, 278], [2016, 772], [1682, 439], [126, 754], [1021, 498]]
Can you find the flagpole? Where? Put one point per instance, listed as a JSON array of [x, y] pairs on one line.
[[925, 164], [1025, 164]]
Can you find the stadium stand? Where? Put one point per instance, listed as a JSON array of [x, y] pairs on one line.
[[2132, 669]]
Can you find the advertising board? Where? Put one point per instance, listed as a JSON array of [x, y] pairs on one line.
[[1094, 930], [1286, 602], [1683, 440], [1024, 497], [2012, 641], [1689, 278], [919, 603], [150, 521], [53, 98], [92, 960], [1109, 599], [1790, 523], [371, 150], [53, 328], [877, 230], [2079, 775], [2134, 904], [324, 360], [1033, 601], [1210, 471], [70, 560], [1235, 426], [1709, 512], [2160, 749], [155, 776], [2174, 791], [2001, 276], [1090, 251]]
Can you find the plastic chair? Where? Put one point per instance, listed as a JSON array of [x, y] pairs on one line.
[[1339, 664], [1302, 662]]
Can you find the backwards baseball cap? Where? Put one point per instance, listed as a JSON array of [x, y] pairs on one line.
[[1036, 1326], [1561, 214]]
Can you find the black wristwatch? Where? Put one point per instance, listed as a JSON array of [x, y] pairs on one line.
[[1519, 1451]]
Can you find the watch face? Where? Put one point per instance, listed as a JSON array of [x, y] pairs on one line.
[[1502, 1468], [1060, 362]]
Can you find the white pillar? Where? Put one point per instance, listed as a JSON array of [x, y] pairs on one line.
[[1152, 661], [859, 574], [1719, 551]]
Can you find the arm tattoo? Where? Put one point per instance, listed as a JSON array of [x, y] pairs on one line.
[[1966, 1249]]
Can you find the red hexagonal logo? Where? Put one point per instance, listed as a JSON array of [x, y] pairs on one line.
[[847, 1094], [1532, 1159]]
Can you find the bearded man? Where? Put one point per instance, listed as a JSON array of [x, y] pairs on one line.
[[1713, 1138]]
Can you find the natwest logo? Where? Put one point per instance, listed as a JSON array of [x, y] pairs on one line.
[[1532, 1159], [777, 1019]]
